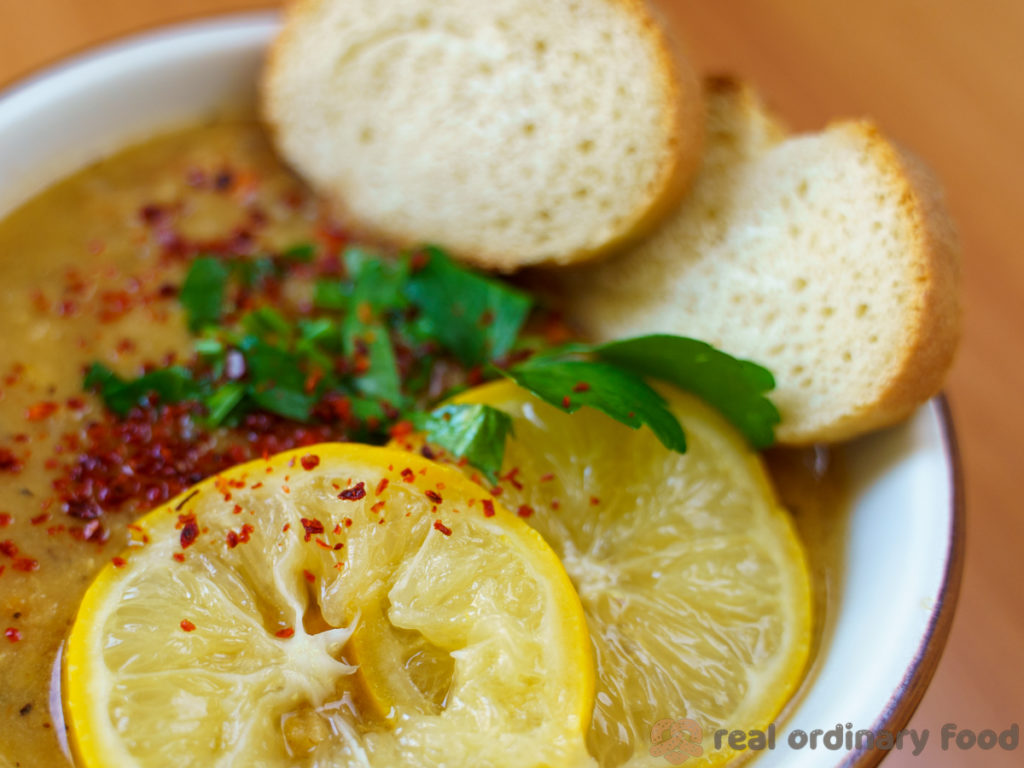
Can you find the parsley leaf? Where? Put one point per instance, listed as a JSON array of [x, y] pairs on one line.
[[303, 252], [735, 387], [365, 337], [202, 294], [170, 385], [378, 281], [330, 294], [278, 383], [475, 317], [222, 402], [474, 432], [623, 395]]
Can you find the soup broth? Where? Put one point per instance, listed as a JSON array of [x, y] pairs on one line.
[[89, 271]]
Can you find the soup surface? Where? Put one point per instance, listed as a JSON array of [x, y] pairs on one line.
[[90, 271]]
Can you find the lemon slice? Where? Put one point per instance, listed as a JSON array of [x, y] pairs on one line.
[[226, 634], [694, 583]]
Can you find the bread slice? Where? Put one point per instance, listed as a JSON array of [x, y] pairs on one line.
[[511, 132], [829, 258]]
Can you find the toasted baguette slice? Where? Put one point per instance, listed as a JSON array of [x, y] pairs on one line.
[[829, 258], [511, 132]]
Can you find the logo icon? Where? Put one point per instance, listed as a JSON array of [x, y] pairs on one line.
[[676, 740]]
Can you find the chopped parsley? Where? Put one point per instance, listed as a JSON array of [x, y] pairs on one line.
[[382, 339]]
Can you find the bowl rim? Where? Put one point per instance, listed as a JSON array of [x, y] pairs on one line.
[[907, 696], [111, 44], [905, 700]]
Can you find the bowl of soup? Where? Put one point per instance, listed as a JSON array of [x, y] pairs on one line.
[[96, 152]]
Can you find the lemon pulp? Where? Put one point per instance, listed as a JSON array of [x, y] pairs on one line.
[[695, 586], [245, 626]]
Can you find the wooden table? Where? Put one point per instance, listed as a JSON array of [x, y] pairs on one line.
[[945, 78]]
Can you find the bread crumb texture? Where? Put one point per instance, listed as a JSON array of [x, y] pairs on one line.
[[511, 132], [829, 258]]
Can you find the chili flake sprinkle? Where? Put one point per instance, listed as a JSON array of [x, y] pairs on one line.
[[312, 527], [439, 526], [8, 461], [187, 625], [355, 493], [310, 461], [434, 497], [381, 486], [525, 510], [189, 530], [13, 634], [285, 633], [488, 506]]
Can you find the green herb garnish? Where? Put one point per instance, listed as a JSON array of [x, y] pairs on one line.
[[474, 432], [395, 335], [202, 294], [475, 317]]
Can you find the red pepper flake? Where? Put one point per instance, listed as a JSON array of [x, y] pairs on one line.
[[322, 544], [381, 486], [187, 625], [25, 564], [555, 504], [312, 527], [40, 519], [119, 562], [12, 634], [338, 546], [178, 557], [408, 475], [5, 519], [594, 501], [257, 486], [439, 526], [434, 496], [377, 507], [189, 530], [40, 411], [355, 493], [8, 461], [348, 522], [308, 576], [237, 509], [285, 633], [9, 548], [547, 478], [581, 386], [310, 461], [511, 477], [525, 510], [287, 527], [566, 403], [75, 403], [241, 537]]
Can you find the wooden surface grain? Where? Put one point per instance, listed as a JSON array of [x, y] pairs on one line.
[[944, 77]]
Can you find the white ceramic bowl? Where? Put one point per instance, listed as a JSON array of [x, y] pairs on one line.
[[903, 549]]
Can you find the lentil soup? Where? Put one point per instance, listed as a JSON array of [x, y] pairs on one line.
[[91, 271]]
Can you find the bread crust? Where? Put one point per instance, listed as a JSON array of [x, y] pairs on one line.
[[677, 284], [682, 123], [931, 337]]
